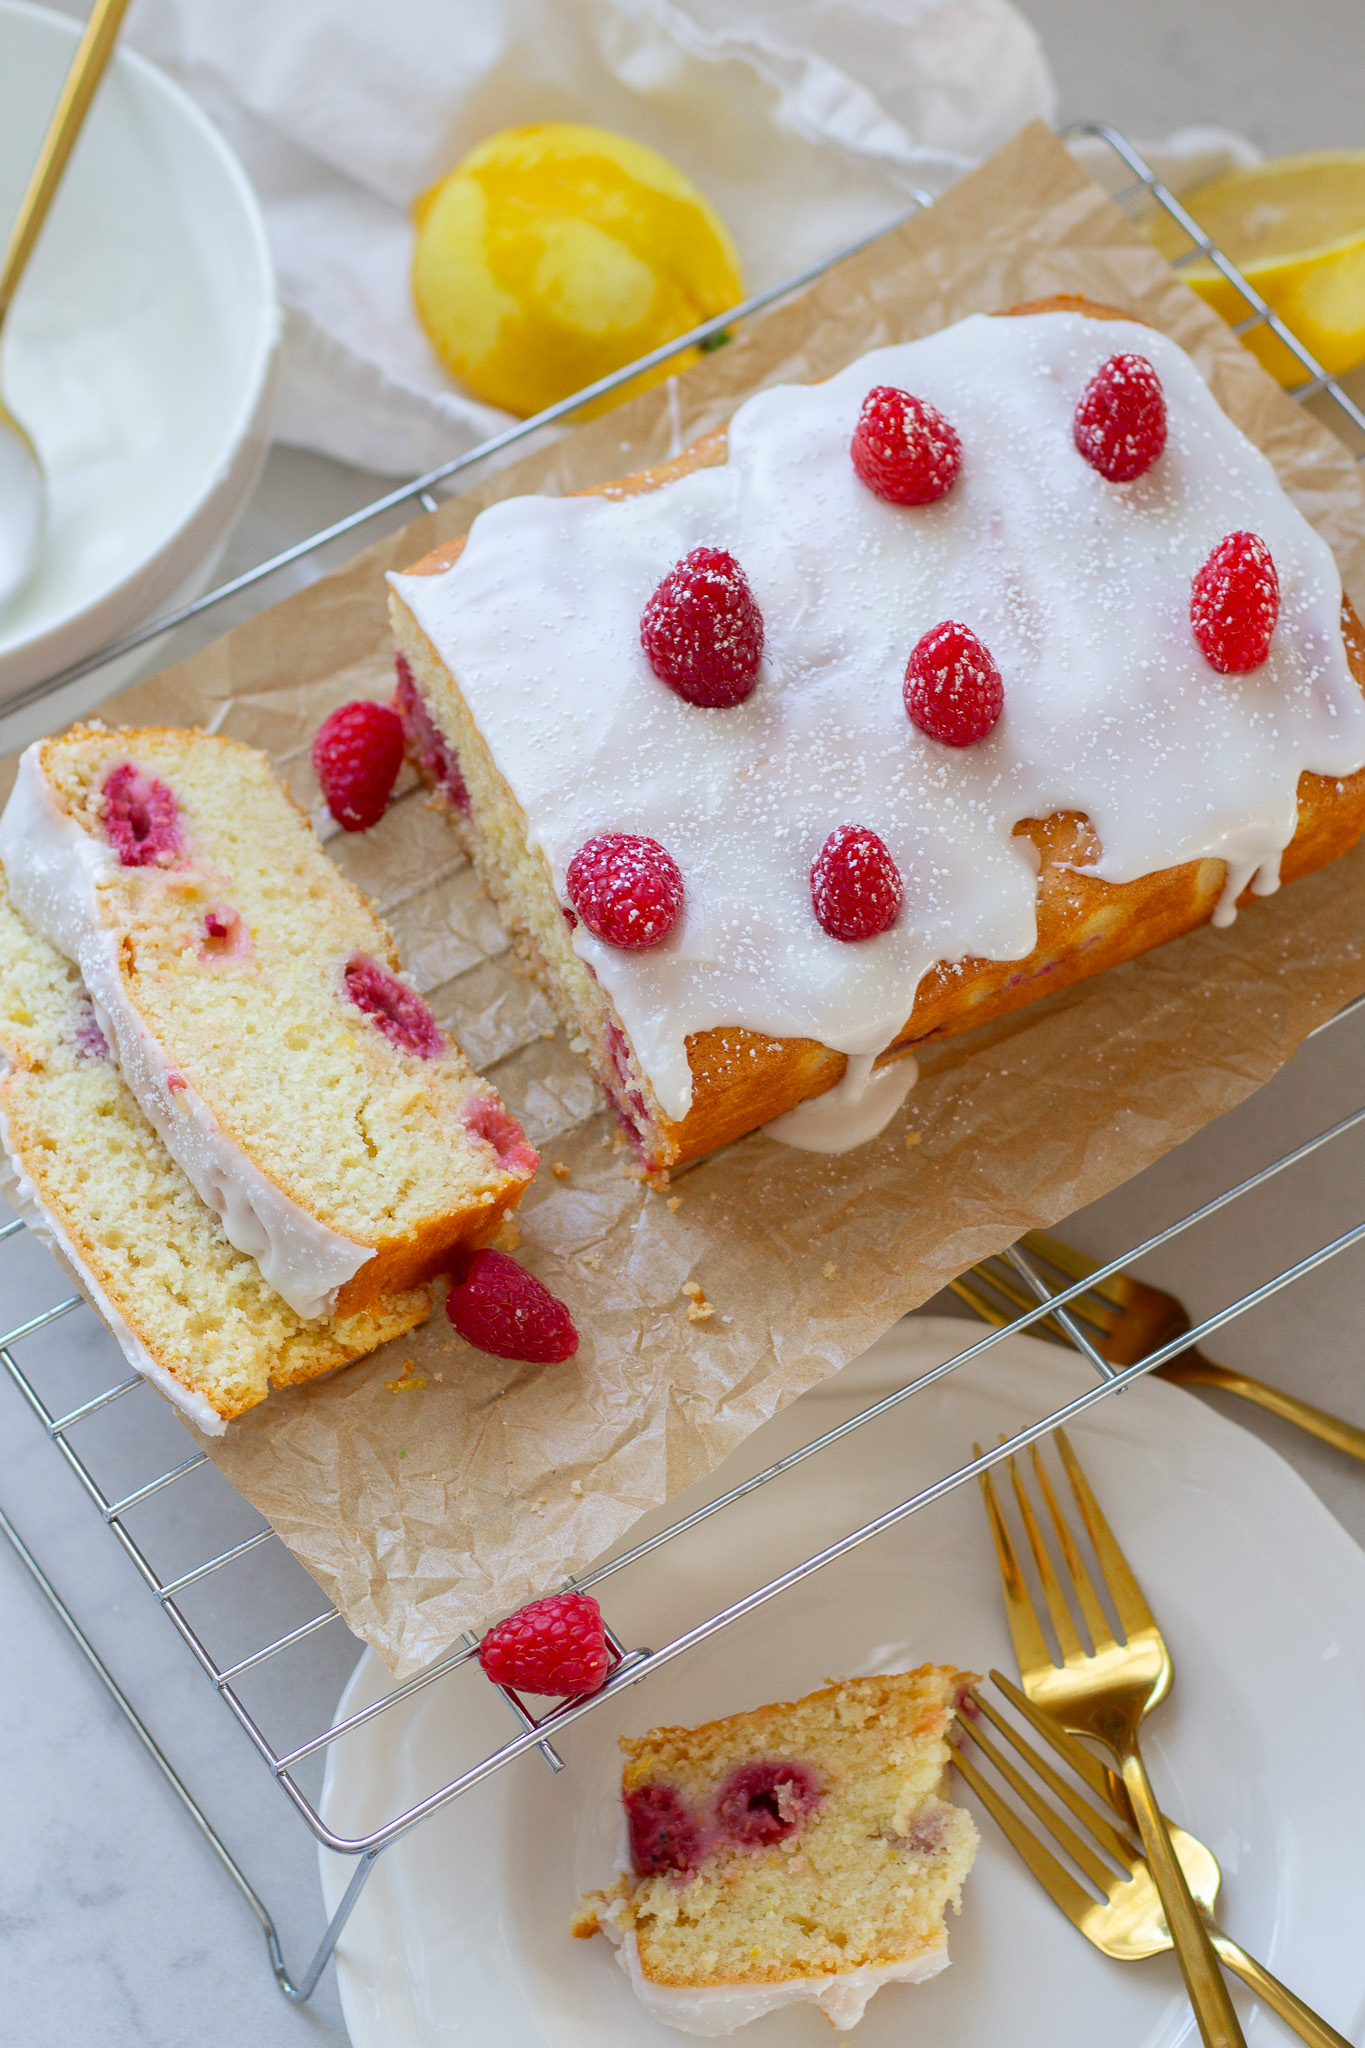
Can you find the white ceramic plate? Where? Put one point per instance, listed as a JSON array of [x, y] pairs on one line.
[[462, 1934], [139, 349]]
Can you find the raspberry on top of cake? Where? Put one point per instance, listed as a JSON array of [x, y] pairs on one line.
[[805, 1851], [905, 674], [253, 1002]]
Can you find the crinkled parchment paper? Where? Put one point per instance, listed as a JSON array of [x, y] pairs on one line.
[[428, 1499]]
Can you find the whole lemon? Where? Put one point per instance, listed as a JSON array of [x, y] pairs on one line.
[[557, 253]]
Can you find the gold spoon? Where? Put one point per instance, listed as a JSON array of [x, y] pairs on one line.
[[23, 490]]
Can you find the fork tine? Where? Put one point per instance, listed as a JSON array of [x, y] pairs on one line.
[[1124, 1590], [1097, 1776], [1056, 1881], [977, 1301], [1031, 1649], [1082, 1855], [1068, 1639], [1101, 1635], [1105, 1833], [1075, 1265], [1089, 1307]]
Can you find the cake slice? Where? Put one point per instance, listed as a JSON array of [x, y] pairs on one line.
[[190, 1311], [719, 668], [252, 1000], [801, 1852]]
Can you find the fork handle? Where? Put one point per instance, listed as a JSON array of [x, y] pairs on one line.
[[1204, 1982], [1192, 1369], [1302, 2018]]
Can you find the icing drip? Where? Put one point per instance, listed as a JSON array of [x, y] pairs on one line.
[[1079, 588], [857, 1108]]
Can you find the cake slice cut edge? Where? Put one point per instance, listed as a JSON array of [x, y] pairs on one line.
[[254, 1003], [190, 1311], [802, 1852]]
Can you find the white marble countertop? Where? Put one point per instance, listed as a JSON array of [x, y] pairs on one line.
[[116, 1924]]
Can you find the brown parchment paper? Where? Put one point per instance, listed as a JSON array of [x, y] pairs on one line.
[[431, 1500]]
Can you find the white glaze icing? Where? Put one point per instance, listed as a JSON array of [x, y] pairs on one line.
[[56, 871], [25, 1198], [855, 1109], [1080, 589], [711, 2009]]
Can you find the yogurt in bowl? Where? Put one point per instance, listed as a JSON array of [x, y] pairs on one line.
[[138, 353]]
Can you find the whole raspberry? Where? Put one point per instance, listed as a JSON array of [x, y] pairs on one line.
[[855, 886], [702, 630], [627, 889], [1120, 423], [664, 1832], [397, 1009], [953, 689], [903, 448], [555, 1646], [498, 1307], [1235, 603], [141, 817], [357, 753]]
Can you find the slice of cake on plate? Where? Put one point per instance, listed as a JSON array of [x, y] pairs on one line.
[[995, 659], [252, 1000], [801, 1852], [190, 1311]]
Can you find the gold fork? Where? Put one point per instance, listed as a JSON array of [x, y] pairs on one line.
[[1128, 1318], [1126, 1921], [1104, 1692]]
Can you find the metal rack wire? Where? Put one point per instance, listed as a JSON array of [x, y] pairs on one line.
[[72, 1430]]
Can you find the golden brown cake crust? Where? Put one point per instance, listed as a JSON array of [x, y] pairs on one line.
[[742, 1079]]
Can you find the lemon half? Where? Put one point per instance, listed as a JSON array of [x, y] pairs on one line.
[[1295, 228], [555, 254]]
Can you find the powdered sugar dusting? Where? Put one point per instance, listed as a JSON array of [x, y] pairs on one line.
[[1079, 587]]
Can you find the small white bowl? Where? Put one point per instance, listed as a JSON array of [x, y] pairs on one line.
[[138, 353]]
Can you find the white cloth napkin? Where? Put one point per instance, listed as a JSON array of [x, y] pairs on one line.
[[805, 122]]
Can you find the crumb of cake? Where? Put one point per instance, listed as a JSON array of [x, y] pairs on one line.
[[675, 1203], [699, 1308], [830, 1269], [912, 1138], [507, 1236], [409, 1377], [576, 1486], [559, 1169]]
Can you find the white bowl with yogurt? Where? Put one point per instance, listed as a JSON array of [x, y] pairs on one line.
[[138, 352]]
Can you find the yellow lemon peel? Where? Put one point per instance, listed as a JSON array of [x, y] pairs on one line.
[[1295, 227], [557, 253]]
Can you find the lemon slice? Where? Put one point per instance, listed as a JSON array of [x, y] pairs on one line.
[[555, 254], [1295, 227]]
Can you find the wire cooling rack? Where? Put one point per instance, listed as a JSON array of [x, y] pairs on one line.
[[226, 1636]]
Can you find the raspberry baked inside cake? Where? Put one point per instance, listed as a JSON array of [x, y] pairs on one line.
[[801, 1852], [995, 659], [252, 999], [191, 1312]]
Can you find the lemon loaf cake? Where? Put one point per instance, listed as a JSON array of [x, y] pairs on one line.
[[252, 1001], [803, 1852], [997, 658], [190, 1311]]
